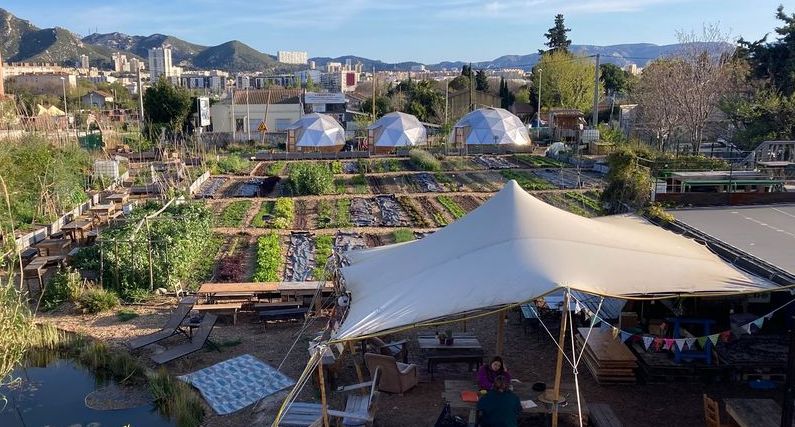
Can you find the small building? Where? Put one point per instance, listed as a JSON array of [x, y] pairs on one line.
[[44, 84], [97, 99], [316, 133], [245, 110], [565, 124], [722, 181]]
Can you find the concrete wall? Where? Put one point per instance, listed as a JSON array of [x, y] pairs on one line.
[[221, 116]]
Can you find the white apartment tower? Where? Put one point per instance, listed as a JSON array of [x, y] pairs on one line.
[[160, 62], [84, 63], [292, 57], [120, 64]]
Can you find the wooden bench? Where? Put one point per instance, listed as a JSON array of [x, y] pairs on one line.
[[283, 314], [223, 308], [269, 306], [472, 359], [602, 415]]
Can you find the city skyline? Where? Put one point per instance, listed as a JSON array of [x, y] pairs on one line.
[[398, 31]]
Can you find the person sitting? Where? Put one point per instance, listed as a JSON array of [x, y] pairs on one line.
[[487, 373], [500, 407]]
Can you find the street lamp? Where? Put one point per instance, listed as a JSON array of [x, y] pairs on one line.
[[65, 108]]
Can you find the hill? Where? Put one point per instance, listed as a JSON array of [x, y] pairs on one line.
[[233, 56], [182, 52]]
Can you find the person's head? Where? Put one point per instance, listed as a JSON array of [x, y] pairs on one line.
[[500, 384], [496, 364]]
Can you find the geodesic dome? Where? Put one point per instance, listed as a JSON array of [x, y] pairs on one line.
[[491, 126], [398, 130], [317, 130]]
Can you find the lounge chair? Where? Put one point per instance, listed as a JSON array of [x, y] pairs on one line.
[[359, 408], [171, 327], [396, 349], [195, 343], [396, 377]]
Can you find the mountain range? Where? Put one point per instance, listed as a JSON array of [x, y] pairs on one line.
[[21, 41]]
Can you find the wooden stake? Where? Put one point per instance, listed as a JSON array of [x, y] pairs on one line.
[[323, 401], [500, 332], [352, 348], [559, 365]]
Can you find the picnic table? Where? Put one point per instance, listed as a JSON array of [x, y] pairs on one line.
[[453, 388], [754, 412], [120, 198], [76, 228], [53, 246], [465, 349], [102, 211]]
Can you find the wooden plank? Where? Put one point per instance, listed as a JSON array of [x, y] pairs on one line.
[[607, 348], [754, 412], [220, 306]]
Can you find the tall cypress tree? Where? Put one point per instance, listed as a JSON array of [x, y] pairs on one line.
[[556, 36], [481, 81]]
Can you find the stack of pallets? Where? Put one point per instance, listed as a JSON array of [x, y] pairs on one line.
[[609, 360]]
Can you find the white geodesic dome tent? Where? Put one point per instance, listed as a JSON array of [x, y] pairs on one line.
[[316, 131], [398, 130], [495, 126]]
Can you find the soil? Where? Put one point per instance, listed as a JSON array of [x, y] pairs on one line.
[[468, 203], [305, 214]]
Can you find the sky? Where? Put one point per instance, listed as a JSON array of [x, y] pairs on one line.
[[426, 31]]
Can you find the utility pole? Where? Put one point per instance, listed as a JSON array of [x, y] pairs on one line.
[[233, 118], [248, 119], [595, 117], [446, 99], [374, 82], [140, 102], [471, 87], [538, 110]]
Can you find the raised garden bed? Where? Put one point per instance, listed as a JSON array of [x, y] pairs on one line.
[[234, 213], [527, 180], [269, 258], [455, 210], [531, 161]]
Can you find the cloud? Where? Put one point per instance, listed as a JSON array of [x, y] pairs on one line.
[[521, 9]]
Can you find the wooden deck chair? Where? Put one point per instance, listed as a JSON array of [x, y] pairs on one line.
[[359, 408], [195, 344], [712, 412], [171, 327]]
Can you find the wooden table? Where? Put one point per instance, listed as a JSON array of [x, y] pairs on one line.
[[754, 412], [119, 198], [101, 212], [453, 389], [79, 226], [465, 349], [461, 341], [53, 246]]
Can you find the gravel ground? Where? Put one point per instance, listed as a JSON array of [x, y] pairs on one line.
[[530, 358]]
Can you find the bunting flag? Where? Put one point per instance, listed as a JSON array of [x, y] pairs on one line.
[[668, 343], [702, 341], [759, 322], [690, 343], [577, 307], [714, 338], [680, 343], [725, 336], [747, 328], [647, 341], [625, 336]]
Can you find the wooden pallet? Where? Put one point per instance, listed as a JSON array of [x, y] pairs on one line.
[[608, 359]]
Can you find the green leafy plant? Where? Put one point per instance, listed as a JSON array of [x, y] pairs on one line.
[[527, 180], [269, 258], [403, 235], [64, 286], [231, 164], [323, 248], [275, 168], [234, 213], [451, 206], [424, 160], [283, 213], [311, 179], [97, 300]]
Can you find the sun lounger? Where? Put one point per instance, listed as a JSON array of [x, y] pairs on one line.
[[359, 408], [195, 344], [171, 327]]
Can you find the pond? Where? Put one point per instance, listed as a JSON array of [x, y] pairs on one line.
[[55, 395]]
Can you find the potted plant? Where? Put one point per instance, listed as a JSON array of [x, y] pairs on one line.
[[448, 337]]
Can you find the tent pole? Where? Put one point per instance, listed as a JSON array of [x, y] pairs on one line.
[[500, 332], [559, 364], [352, 349], [323, 401]]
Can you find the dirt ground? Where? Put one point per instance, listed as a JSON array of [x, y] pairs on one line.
[[529, 356]]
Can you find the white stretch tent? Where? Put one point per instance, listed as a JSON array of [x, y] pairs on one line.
[[398, 130], [317, 130], [491, 126], [514, 248]]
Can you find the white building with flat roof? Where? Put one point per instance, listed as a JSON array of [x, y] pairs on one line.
[[160, 62], [292, 56]]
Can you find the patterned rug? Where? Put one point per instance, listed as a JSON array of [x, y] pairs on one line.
[[236, 383]]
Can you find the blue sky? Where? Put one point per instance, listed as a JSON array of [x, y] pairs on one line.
[[402, 30]]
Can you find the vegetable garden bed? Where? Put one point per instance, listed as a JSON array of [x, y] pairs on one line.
[[234, 213]]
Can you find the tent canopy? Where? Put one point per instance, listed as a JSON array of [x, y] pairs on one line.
[[491, 126], [317, 130], [514, 248], [398, 130]]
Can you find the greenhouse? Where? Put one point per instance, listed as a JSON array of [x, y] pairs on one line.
[[486, 126]]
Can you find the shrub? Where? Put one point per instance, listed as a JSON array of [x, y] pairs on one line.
[[424, 160], [335, 167], [403, 235], [97, 300], [311, 179], [231, 164], [269, 257], [176, 399], [275, 168], [64, 286]]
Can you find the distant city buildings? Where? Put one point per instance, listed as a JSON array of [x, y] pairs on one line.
[[292, 57], [40, 84], [160, 62], [2, 78], [633, 69], [84, 63], [212, 81]]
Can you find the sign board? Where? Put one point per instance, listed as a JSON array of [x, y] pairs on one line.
[[324, 98], [319, 108], [262, 126], [204, 111]]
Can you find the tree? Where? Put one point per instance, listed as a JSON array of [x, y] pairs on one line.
[[166, 105], [420, 98], [466, 70], [382, 106], [773, 62], [310, 85], [481, 81], [507, 98], [614, 79], [459, 83], [557, 40], [567, 81], [653, 95]]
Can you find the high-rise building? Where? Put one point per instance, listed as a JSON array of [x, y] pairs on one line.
[[120, 64], [136, 64], [84, 62], [292, 57], [160, 62]]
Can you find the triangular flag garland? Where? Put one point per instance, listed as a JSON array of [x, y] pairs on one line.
[[680, 343]]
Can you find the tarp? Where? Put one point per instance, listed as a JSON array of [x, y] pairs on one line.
[[317, 130], [398, 130], [491, 126], [515, 247]]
